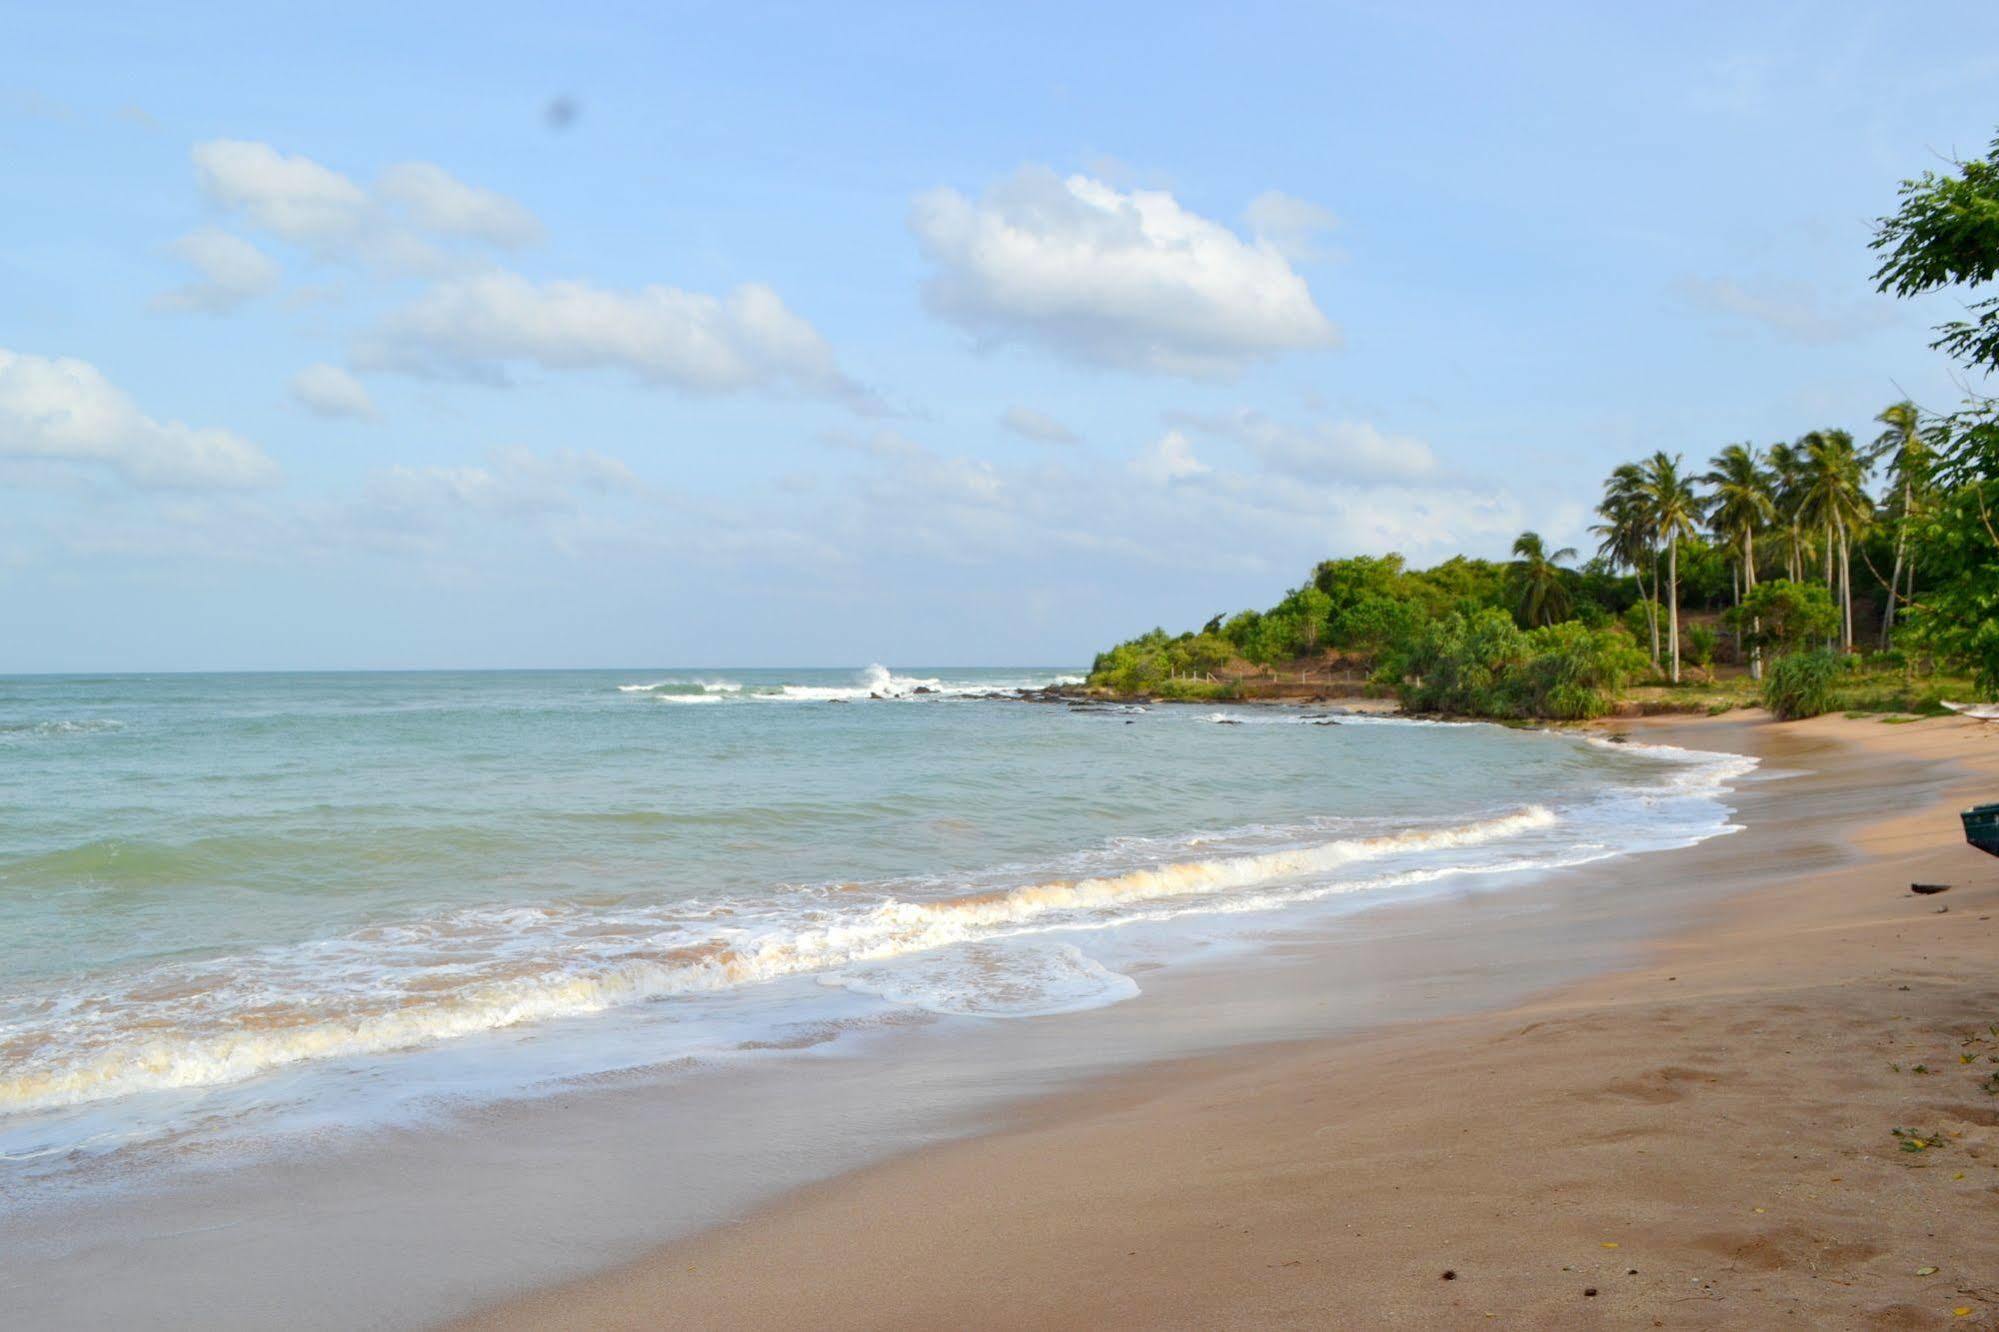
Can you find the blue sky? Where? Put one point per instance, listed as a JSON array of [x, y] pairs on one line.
[[918, 334]]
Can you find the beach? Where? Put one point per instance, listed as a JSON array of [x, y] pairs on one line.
[[1703, 1135]]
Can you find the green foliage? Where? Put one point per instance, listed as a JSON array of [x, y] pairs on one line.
[[1156, 664], [1802, 684], [1946, 234], [1572, 672], [1957, 617], [1484, 665], [1785, 616], [1541, 584], [1700, 645], [1638, 619]]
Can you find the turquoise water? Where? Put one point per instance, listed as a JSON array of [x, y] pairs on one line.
[[230, 901]]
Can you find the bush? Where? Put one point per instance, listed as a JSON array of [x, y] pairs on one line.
[[1801, 685], [1483, 665], [1782, 616], [1699, 646], [1572, 672]]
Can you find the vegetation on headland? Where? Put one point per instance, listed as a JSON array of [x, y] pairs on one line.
[[1816, 574]]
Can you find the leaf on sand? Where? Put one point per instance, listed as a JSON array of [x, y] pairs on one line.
[[1926, 1271]]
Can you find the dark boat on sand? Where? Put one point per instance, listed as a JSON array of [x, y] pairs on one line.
[[1981, 828]]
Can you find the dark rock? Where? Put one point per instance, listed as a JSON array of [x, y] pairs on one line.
[[1925, 889]]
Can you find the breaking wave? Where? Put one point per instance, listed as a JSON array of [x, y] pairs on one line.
[[396, 987]]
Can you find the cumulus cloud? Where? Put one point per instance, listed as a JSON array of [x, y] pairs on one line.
[[231, 269], [1132, 280], [292, 197], [477, 326], [1321, 451], [1037, 426], [908, 500], [513, 481], [64, 410], [1293, 226], [396, 224], [330, 392], [1168, 459], [1788, 310], [440, 202]]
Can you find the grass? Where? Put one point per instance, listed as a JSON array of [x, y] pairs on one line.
[[1864, 692]]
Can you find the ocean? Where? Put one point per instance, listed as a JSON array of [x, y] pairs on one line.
[[239, 912]]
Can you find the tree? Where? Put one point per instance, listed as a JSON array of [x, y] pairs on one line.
[[1784, 616], [1543, 593], [1832, 500], [1787, 488], [1907, 446], [1627, 539], [1672, 513], [1742, 504], [1957, 535], [1946, 234]]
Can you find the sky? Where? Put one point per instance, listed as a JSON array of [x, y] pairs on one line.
[[747, 334]]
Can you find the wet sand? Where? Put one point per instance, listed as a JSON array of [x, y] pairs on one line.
[[1701, 1137]]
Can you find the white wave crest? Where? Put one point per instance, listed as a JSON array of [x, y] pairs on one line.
[[399, 987]]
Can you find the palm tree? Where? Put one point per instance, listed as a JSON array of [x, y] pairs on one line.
[[1834, 502], [1787, 487], [1910, 452], [1741, 504], [1626, 533], [1673, 511], [1544, 597]]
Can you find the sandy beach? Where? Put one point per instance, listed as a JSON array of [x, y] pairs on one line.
[[1705, 1136]]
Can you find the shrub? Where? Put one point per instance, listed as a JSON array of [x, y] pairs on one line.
[[1699, 647], [1483, 665], [1572, 672], [1801, 685]]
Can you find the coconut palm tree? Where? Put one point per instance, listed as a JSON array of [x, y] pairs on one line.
[[1834, 502], [1911, 453], [1741, 504], [1787, 488], [1626, 538], [1673, 511], [1544, 597]]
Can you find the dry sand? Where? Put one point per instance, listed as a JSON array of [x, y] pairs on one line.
[[1701, 1140]]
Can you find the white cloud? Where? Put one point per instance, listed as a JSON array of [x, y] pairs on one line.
[[1037, 426], [1168, 459], [1131, 280], [476, 326], [232, 271], [330, 392], [291, 197], [1791, 311], [65, 410], [1322, 451], [513, 481], [397, 224], [439, 202], [1291, 225]]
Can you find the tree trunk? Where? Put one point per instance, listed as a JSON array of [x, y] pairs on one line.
[[1895, 578], [1749, 585], [1652, 608], [1846, 586], [1673, 603]]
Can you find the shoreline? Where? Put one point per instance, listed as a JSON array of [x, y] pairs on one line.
[[1060, 1214]]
